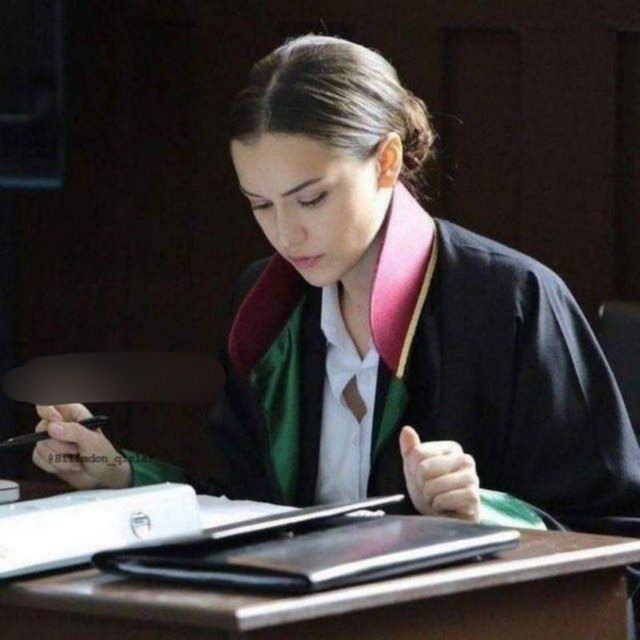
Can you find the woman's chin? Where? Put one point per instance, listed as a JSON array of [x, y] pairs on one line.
[[318, 279], [315, 282]]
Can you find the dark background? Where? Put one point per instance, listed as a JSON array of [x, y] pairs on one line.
[[537, 109]]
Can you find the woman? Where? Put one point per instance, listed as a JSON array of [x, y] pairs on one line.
[[381, 350]]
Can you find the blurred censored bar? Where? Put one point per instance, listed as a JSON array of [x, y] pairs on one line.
[[116, 377]]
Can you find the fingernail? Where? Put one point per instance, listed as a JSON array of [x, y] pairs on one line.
[[56, 429]]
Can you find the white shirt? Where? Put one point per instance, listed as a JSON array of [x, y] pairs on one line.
[[345, 443]]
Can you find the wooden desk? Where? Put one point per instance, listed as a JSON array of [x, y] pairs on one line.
[[555, 585]]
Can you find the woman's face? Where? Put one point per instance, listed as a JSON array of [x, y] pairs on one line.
[[319, 209]]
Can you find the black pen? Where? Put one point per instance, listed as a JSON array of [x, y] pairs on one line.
[[93, 422]]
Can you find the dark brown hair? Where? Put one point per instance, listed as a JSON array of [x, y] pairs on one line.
[[338, 92]]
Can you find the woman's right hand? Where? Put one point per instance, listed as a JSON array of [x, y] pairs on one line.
[[84, 458]]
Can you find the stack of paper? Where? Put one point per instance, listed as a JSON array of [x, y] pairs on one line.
[[217, 511], [68, 529]]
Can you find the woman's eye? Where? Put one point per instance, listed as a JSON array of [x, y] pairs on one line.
[[308, 203], [311, 203]]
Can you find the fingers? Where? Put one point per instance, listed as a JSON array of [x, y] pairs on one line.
[[42, 425], [52, 455], [41, 461], [409, 438], [450, 482], [60, 453], [464, 502], [79, 479], [66, 450], [74, 432], [60, 413], [48, 412], [413, 450], [431, 468], [56, 458], [440, 476], [70, 412], [443, 458], [73, 412], [427, 450]]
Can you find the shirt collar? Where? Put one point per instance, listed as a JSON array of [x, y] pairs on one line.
[[331, 321], [336, 333]]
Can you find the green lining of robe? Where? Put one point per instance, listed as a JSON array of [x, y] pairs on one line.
[[505, 510], [276, 379], [394, 406], [145, 470]]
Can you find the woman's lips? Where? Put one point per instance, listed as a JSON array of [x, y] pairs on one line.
[[307, 262]]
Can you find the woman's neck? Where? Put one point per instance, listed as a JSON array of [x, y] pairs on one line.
[[355, 286]]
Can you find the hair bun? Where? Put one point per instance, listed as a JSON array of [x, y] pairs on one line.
[[419, 137]]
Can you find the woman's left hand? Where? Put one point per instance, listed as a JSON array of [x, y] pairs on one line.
[[441, 478]]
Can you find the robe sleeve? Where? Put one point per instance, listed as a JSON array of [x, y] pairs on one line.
[[504, 510], [570, 448], [145, 470]]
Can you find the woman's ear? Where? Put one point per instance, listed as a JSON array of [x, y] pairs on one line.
[[389, 159]]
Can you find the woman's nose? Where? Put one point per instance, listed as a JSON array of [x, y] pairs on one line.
[[291, 233]]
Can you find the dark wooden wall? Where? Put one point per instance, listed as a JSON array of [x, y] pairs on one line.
[[536, 105]]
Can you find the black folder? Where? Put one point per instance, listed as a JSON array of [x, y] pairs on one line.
[[310, 549]]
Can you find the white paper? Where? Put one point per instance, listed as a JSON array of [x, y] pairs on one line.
[[216, 511], [65, 530]]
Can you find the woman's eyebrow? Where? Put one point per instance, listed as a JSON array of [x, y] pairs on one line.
[[304, 184]]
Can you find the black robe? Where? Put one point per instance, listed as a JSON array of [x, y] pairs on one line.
[[503, 362]]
